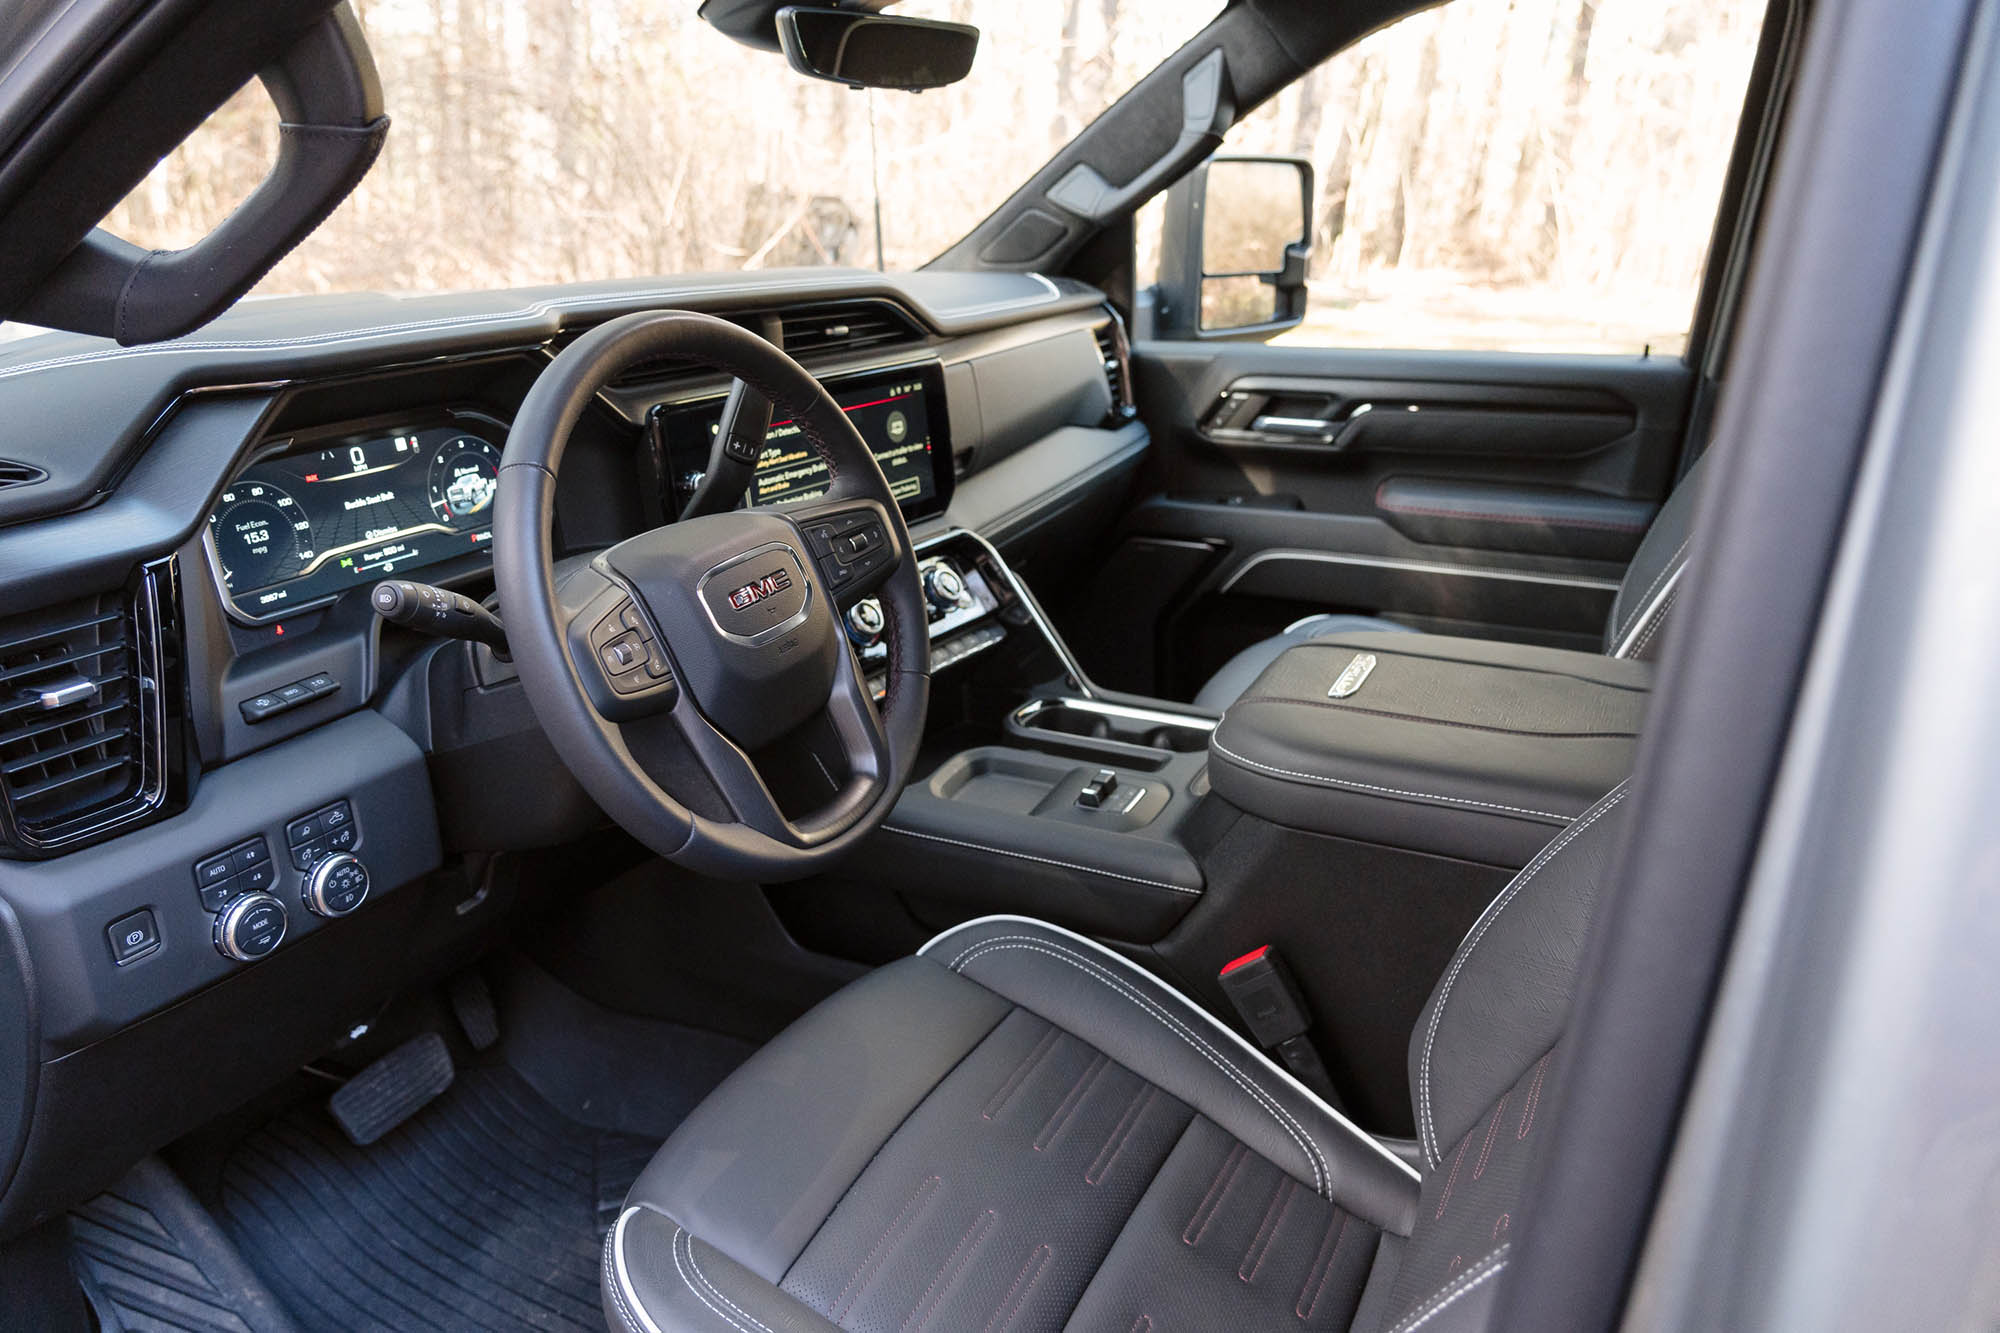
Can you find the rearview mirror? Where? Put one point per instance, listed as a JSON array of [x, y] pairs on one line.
[[1233, 258], [865, 50]]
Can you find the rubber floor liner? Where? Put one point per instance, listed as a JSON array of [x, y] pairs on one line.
[[486, 1210]]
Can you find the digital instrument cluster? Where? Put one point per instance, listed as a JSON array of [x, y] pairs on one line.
[[303, 524]]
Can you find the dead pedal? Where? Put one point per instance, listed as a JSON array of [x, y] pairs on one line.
[[393, 1089], [472, 1002]]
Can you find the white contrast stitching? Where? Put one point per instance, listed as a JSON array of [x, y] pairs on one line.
[[1444, 1296], [1299, 1135], [689, 1283], [1322, 780], [716, 1291], [1045, 860], [1659, 619], [1434, 1152], [611, 1284], [1651, 588], [533, 311]]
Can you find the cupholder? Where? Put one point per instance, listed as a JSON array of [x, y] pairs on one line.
[[1115, 729]]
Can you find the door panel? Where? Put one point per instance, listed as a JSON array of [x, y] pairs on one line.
[[1490, 494]]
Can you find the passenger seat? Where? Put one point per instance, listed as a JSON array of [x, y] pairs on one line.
[[1638, 613]]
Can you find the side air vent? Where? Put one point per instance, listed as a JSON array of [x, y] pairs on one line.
[[1117, 357], [828, 329], [83, 689], [14, 474]]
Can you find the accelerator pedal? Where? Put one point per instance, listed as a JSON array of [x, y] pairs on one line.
[[472, 1002], [393, 1089]]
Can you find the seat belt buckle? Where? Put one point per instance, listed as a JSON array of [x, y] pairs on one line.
[[1265, 996], [1270, 1005]]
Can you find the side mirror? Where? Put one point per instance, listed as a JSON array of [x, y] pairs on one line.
[[864, 50], [1233, 258]]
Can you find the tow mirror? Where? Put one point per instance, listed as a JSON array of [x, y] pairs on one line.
[[864, 50], [1233, 259]]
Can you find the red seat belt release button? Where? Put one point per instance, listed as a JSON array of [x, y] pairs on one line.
[[1265, 996]]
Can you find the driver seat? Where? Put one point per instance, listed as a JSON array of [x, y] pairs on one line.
[[1019, 1129]]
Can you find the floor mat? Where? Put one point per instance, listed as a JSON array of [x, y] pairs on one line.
[[485, 1211], [151, 1260]]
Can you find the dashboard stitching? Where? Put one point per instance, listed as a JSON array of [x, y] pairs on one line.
[[539, 308]]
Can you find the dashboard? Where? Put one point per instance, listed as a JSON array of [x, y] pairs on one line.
[[312, 518]]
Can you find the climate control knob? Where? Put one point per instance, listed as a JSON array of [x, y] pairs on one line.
[[336, 886], [943, 587], [865, 622], [250, 927]]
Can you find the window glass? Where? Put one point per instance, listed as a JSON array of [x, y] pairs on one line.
[[540, 141], [1535, 175]]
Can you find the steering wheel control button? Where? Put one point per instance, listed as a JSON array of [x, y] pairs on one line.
[[133, 937], [336, 886], [625, 653], [250, 927]]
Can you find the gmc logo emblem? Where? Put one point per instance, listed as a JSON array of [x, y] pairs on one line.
[[752, 593]]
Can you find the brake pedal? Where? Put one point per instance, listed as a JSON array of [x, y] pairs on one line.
[[393, 1089], [472, 1002]]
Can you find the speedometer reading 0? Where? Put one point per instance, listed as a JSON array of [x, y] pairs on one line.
[[261, 535], [464, 475]]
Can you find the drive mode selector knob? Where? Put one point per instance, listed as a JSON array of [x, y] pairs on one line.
[[943, 587], [250, 927], [337, 885]]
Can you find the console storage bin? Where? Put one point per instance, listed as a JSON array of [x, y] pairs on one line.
[[1462, 747]]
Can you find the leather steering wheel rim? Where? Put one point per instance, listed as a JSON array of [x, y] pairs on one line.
[[560, 632]]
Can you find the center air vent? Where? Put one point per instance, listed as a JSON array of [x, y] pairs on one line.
[[832, 328], [846, 326], [82, 716]]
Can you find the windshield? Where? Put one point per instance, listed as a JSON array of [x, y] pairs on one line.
[[540, 141]]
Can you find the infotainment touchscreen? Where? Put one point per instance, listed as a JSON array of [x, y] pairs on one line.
[[898, 413]]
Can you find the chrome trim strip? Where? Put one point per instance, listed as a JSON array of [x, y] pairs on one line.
[[1054, 640], [1418, 567], [1151, 717]]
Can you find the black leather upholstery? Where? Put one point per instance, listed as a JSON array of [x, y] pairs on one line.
[[1020, 1130], [1638, 613], [1463, 747]]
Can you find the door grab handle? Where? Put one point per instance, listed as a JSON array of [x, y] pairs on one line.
[[1311, 427]]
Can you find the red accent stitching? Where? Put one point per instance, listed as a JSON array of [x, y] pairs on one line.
[[1212, 1201], [1268, 1232], [841, 1302], [1534, 1098], [1491, 1129], [1038, 1259], [1066, 1110], [1322, 1267], [1445, 1198], [1114, 1147], [938, 1287], [1006, 1091]]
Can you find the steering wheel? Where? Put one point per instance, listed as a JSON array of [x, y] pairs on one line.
[[696, 678]]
